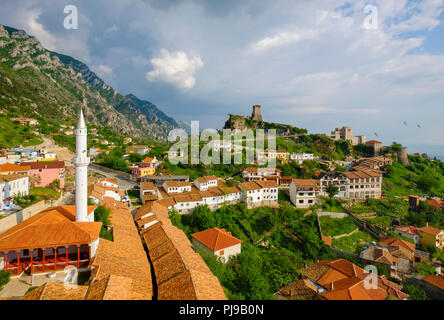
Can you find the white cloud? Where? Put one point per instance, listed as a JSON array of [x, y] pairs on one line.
[[104, 72], [175, 68], [111, 29], [281, 39]]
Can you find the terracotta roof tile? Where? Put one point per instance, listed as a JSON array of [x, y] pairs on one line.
[[306, 183], [44, 165], [430, 230], [267, 184], [216, 239], [437, 281], [57, 291], [249, 186]]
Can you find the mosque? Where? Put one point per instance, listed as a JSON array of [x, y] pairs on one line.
[[57, 237]]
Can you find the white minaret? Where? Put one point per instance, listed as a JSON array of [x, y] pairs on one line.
[[81, 161]]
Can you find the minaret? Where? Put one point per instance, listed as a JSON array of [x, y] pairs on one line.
[[81, 161]]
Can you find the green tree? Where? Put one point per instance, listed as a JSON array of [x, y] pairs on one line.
[[55, 184], [135, 157], [332, 190], [4, 277], [414, 292], [251, 281], [425, 269]]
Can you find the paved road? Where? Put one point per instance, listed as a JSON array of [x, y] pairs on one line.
[[124, 181]]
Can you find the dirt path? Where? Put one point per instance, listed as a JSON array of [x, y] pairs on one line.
[[49, 145]]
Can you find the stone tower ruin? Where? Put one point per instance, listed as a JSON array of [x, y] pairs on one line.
[[403, 157], [257, 116]]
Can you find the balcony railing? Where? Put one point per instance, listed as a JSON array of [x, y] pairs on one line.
[[47, 265]]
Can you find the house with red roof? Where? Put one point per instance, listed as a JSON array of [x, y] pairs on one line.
[[257, 174], [9, 168], [431, 236], [342, 280], [44, 173], [436, 203], [218, 242], [49, 241], [408, 232]]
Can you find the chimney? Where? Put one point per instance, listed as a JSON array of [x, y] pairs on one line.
[[332, 286]]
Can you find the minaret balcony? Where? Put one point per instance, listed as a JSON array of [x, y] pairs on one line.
[[81, 161]]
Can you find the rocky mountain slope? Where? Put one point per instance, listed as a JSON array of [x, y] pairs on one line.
[[35, 82]]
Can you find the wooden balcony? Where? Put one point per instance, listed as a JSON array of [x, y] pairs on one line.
[[49, 264]]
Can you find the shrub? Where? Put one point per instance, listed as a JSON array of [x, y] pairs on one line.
[[414, 292], [425, 269]]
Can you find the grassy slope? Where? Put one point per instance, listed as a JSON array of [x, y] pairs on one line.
[[419, 178], [14, 134], [336, 226]]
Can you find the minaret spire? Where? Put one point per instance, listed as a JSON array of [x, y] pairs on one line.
[[81, 162]]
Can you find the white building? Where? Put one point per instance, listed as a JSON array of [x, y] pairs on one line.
[[269, 190], [99, 191], [216, 196], [251, 193], [218, 242], [109, 182], [301, 157], [12, 185], [176, 186], [218, 145], [185, 204], [362, 184], [205, 182], [303, 192], [256, 174], [148, 192]]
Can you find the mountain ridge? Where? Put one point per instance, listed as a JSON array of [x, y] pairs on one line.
[[39, 82]]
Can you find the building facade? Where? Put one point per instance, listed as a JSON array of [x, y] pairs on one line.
[[42, 174], [304, 192], [354, 184]]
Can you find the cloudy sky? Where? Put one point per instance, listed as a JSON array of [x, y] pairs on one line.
[[312, 64]]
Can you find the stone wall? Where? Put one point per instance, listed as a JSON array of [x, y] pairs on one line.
[[24, 214], [20, 216], [433, 292]]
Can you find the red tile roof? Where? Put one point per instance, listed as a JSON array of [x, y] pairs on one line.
[[216, 239], [430, 230], [395, 242], [436, 203], [249, 186], [267, 184], [306, 183], [44, 165], [408, 229], [50, 228], [437, 281], [7, 167]]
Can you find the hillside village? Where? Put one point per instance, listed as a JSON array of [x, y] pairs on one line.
[[91, 200], [202, 226]]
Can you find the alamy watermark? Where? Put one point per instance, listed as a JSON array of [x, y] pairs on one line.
[[371, 17], [71, 21], [371, 280]]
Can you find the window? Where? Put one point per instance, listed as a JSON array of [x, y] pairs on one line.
[[301, 201]]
